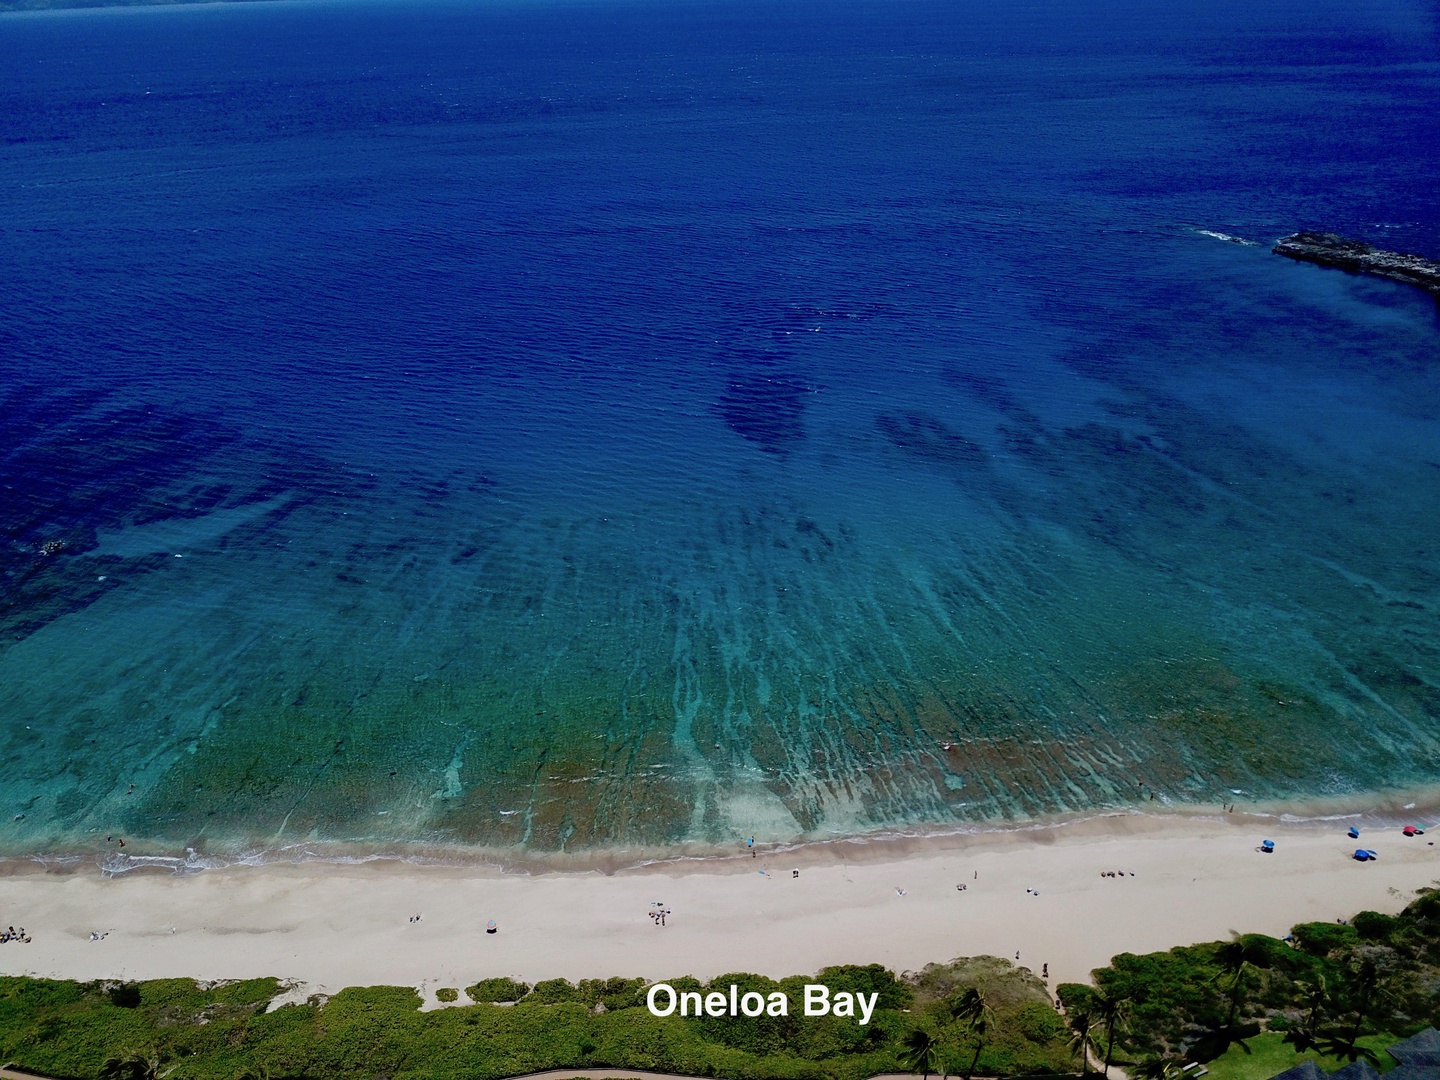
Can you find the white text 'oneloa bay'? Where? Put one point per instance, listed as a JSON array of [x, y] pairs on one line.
[[816, 1000]]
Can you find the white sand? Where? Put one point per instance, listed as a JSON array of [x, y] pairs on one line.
[[331, 926]]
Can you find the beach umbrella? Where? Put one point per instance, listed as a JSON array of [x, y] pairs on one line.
[[1409, 830], [1267, 846], [1361, 855], [1354, 833]]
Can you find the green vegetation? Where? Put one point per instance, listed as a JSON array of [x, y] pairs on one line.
[[447, 994], [498, 990], [990, 1018], [1267, 1054], [179, 1029], [1250, 1007], [1257, 1005]]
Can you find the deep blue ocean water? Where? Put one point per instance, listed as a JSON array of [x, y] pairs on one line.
[[584, 424]]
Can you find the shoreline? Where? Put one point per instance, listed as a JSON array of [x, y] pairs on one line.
[[324, 926], [1419, 806]]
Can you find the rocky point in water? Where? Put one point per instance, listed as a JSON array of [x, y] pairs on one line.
[[1358, 257]]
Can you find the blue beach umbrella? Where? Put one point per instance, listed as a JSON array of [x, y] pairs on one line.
[[1361, 855], [1354, 833], [1267, 846]]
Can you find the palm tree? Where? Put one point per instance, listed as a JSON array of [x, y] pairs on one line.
[[1305, 1035], [1341, 1046], [1159, 1068], [133, 1066], [1236, 957], [1080, 1023], [921, 1052], [966, 1005], [971, 1008], [1114, 1011], [1302, 1037], [1366, 981]]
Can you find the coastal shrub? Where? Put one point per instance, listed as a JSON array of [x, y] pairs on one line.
[[612, 993], [1038, 1023], [1170, 996], [1416, 937], [1378, 974], [220, 1031], [1373, 926], [868, 979], [447, 994], [999, 981], [1321, 939], [1426, 907], [554, 991], [774, 1035], [1076, 998], [499, 990], [125, 995]]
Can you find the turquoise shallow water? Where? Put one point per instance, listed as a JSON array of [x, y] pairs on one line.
[[567, 427]]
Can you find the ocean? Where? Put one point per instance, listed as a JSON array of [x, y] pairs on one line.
[[548, 426]]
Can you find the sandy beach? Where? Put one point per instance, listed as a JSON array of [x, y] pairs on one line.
[[1038, 891]]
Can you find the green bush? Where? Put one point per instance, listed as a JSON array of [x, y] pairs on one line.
[[447, 994], [499, 990], [1076, 998], [219, 1032], [1038, 1023], [1372, 926], [613, 993], [554, 991], [1379, 976], [1321, 939]]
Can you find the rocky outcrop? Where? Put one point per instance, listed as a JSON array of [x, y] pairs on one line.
[[1358, 257]]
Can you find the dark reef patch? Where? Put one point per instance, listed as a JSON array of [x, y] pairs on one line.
[[927, 438], [763, 403], [74, 465], [1358, 257], [982, 387]]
